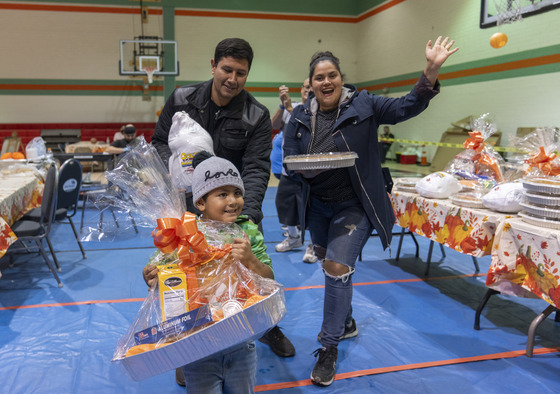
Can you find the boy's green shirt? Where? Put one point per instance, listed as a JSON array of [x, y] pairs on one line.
[[257, 239]]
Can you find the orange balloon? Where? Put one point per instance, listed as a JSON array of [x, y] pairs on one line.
[[498, 40]]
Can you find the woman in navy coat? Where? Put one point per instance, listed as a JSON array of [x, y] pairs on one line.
[[344, 205]]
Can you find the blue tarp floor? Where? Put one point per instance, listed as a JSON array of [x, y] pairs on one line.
[[415, 333]]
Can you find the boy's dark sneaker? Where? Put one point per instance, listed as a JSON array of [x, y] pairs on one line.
[[323, 372], [349, 331], [278, 343]]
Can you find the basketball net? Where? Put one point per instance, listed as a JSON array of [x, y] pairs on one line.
[[150, 71], [508, 11]]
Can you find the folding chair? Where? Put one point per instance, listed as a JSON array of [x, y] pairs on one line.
[[35, 231], [69, 184]]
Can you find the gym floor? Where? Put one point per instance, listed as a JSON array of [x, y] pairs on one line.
[[415, 333]]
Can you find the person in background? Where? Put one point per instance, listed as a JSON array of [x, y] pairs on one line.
[[119, 134], [384, 146], [288, 196], [241, 131], [218, 193], [119, 146], [344, 205]]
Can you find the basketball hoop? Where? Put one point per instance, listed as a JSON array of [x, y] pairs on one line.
[[507, 11]]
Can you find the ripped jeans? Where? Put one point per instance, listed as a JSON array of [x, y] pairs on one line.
[[338, 231]]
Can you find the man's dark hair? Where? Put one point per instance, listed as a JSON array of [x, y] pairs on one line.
[[236, 48]]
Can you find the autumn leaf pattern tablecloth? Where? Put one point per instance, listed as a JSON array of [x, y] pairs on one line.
[[466, 230], [18, 195], [526, 261]]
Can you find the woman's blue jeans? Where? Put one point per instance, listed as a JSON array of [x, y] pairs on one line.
[[338, 231]]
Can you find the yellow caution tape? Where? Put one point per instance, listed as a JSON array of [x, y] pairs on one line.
[[447, 144]]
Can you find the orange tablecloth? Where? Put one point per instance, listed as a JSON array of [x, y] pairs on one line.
[[466, 230], [19, 193], [526, 261]]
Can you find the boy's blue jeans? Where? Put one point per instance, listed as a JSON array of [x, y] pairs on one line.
[[233, 372], [339, 231]]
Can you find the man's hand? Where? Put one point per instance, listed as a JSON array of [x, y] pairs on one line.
[[150, 272], [285, 98]]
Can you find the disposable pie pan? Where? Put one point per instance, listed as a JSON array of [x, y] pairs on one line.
[[467, 200], [540, 221], [550, 213], [542, 199], [406, 189], [320, 161], [542, 185], [406, 182]]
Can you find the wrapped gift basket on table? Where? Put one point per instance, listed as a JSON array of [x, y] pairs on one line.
[[205, 302]]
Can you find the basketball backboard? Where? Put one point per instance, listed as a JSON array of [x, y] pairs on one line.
[[489, 9], [149, 53]]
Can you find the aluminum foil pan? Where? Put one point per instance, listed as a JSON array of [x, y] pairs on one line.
[[247, 325], [320, 161]]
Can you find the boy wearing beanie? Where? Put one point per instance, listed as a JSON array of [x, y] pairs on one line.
[[218, 193]]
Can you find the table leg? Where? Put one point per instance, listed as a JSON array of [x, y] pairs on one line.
[[416, 243], [400, 244], [533, 328], [429, 258], [475, 262], [489, 293], [442, 250]]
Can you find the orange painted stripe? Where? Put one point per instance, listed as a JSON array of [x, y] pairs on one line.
[[8, 86], [6, 308], [287, 289], [515, 65], [384, 282], [70, 8], [379, 9], [407, 367], [257, 15]]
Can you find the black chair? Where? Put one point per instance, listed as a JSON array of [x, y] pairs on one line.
[[35, 231], [69, 185]]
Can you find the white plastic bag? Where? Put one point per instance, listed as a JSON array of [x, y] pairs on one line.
[[438, 185], [35, 148], [186, 139], [506, 197]]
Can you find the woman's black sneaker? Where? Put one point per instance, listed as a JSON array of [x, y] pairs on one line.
[[323, 372]]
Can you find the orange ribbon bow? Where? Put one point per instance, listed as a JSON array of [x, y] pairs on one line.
[[475, 142], [183, 235], [543, 162]]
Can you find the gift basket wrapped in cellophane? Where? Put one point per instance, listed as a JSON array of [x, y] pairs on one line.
[[479, 167], [541, 183], [205, 302]]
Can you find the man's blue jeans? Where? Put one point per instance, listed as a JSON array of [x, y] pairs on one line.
[[339, 231]]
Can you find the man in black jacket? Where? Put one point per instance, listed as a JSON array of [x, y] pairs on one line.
[[241, 132], [239, 125]]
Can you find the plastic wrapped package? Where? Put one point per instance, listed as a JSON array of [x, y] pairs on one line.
[[438, 185], [186, 139], [537, 150], [199, 308], [205, 302], [479, 161], [505, 197]]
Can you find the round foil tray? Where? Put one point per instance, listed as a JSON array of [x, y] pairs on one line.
[[467, 201], [540, 221], [542, 185], [406, 189], [549, 213], [320, 161], [542, 199]]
